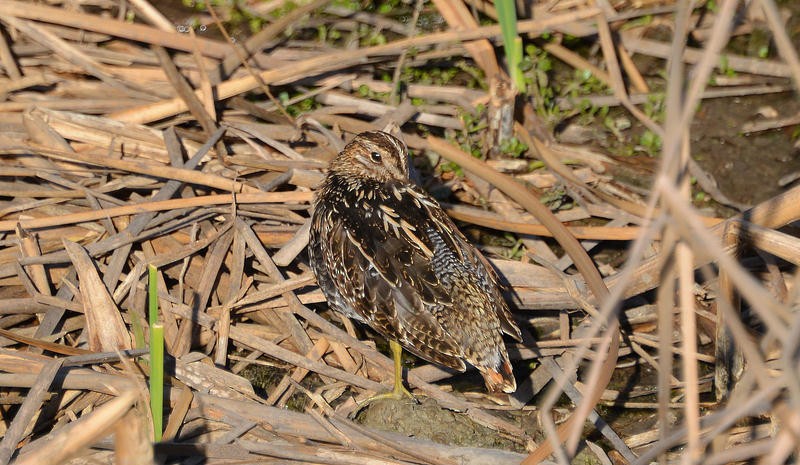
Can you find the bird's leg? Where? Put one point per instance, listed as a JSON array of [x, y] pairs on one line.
[[399, 391]]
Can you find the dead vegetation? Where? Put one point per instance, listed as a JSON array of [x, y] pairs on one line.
[[127, 143]]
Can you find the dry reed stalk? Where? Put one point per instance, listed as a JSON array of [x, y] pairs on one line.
[[693, 56], [457, 15], [163, 205], [32, 403], [65, 444], [137, 32], [322, 64]]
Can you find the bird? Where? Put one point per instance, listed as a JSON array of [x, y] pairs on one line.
[[386, 254]]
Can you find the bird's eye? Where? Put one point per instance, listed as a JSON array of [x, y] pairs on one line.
[[375, 156]]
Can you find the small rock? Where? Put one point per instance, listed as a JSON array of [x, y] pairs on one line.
[[767, 111], [577, 134]]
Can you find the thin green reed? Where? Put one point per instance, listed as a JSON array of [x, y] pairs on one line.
[[512, 43], [156, 355]]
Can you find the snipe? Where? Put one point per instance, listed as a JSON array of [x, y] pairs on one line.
[[386, 254]]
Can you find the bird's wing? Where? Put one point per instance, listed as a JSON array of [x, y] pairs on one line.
[[507, 323], [388, 284], [438, 223], [482, 265]]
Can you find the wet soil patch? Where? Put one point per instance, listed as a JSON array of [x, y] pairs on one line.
[[428, 420], [747, 167]]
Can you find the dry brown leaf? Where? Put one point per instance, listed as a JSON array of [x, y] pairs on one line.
[[105, 329]]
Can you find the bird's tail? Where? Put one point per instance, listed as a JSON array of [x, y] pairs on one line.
[[500, 378]]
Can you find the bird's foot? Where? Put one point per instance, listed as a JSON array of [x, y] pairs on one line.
[[398, 393]]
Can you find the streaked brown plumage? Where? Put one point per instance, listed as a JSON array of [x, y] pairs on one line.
[[386, 254]]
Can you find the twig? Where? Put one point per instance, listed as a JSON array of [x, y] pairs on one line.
[[163, 205], [33, 402]]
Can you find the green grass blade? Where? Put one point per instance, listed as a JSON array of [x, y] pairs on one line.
[[512, 44], [157, 379], [156, 355], [515, 61], [152, 294], [507, 17]]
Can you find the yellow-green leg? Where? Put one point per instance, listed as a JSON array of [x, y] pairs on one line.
[[399, 391]]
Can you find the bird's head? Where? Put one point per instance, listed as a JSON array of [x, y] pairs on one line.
[[373, 155]]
